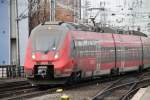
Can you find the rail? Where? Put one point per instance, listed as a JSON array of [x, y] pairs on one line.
[[124, 89]]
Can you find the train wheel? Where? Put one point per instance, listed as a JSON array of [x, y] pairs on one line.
[[75, 77], [140, 68], [114, 71]]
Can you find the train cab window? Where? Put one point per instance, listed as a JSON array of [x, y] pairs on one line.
[[47, 38]]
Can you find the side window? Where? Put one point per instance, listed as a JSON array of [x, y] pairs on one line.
[[73, 48]]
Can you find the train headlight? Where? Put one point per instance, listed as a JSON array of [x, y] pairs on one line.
[[33, 56], [56, 56]]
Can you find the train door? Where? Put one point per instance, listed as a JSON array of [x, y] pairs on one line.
[[77, 51], [81, 55], [91, 58], [98, 58], [120, 52]]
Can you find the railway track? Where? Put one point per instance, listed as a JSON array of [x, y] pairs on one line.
[[19, 90], [123, 79], [124, 89], [9, 89], [22, 90], [121, 87], [6, 85], [27, 91]]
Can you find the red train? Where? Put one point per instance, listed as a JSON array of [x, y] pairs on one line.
[[57, 52]]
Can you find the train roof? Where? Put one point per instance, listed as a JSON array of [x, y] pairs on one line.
[[83, 27], [80, 35], [64, 25]]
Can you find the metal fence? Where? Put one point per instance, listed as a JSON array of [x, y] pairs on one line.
[[11, 71]]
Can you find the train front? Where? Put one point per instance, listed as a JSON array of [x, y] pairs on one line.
[[47, 56]]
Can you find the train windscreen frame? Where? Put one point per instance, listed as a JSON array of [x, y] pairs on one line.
[[47, 38]]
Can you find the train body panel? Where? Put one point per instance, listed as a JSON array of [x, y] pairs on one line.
[[57, 52], [95, 52]]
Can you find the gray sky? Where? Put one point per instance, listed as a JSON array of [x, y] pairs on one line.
[[123, 15]]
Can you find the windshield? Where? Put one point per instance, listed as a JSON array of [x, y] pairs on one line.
[[47, 38]]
